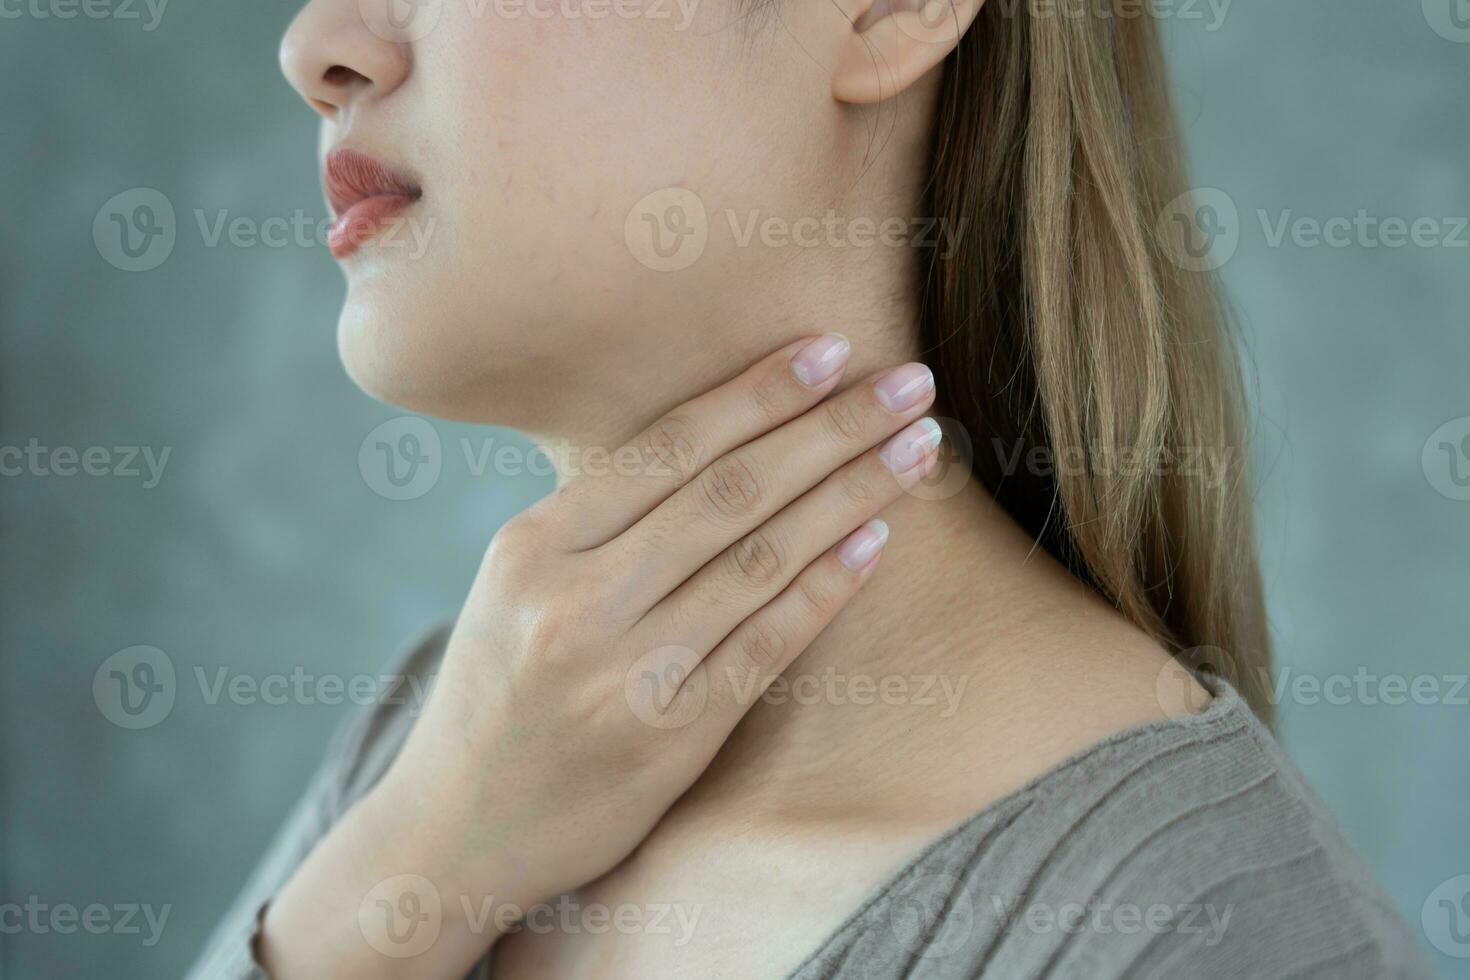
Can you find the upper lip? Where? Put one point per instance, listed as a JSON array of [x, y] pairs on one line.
[[352, 176]]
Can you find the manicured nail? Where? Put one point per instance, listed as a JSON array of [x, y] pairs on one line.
[[904, 387], [863, 545], [820, 359], [907, 449]]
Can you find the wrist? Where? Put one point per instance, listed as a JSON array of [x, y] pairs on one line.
[[439, 821]]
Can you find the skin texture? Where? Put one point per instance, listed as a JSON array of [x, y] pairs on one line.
[[556, 128], [534, 139]]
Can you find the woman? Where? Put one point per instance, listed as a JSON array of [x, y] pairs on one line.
[[687, 723]]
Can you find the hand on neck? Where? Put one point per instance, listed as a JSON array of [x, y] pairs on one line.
[[968, 635]]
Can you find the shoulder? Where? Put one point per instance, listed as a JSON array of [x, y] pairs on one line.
[[1213, 828], [1184, 847]]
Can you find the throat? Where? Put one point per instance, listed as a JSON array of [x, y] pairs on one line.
[[899, 673], [968, 665]]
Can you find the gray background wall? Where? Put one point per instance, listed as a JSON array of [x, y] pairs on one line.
[[263, 548]]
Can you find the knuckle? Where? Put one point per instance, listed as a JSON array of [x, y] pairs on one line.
[[819, 596], [845, 422], [759, 558], [516, 542], [762, 647], [671, 446], [767, 395], [856, 492], [732, 489], [729, 696]]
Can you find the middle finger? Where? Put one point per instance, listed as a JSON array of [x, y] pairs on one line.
[[742, 489]]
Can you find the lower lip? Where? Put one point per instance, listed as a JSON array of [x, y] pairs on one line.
[[362, 222]]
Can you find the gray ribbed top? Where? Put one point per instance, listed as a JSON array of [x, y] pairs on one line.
[[1188, 848]]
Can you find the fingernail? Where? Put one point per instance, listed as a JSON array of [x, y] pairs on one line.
[[863, 545], [904, 387], [907, 449], [820, 359]]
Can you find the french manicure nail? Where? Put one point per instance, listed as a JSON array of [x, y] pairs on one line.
[[863, 545], [904, 387], [820, 359], [904, 451]]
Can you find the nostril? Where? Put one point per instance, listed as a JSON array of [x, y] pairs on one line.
[[338, 85], [342, 76]]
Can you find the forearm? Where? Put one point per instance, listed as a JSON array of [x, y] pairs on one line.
[[388, 894]]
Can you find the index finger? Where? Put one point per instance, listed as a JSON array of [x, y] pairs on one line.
[[674, 449]]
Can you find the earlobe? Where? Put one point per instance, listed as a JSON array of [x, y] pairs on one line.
[[894, 43]]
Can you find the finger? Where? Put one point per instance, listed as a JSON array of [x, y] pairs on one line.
[[750, 573], [746, 663], [668, 454], [742, 489]]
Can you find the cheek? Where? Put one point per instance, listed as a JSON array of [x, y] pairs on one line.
[[554, 127], [538, 139]]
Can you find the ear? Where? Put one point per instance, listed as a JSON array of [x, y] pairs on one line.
[[894, 43]]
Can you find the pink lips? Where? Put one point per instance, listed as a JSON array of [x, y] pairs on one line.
[[365, 195]]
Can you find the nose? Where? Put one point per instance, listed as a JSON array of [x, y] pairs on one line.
[[335, 60]]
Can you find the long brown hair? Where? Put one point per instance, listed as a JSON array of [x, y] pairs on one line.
[[1064, 322]]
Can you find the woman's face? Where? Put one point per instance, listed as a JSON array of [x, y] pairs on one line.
[[607, 187]]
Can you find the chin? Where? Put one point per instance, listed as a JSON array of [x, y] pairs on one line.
[[403, 343], [399, 350]]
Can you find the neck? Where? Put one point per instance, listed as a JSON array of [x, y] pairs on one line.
[[971, 662], [967, 634]]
